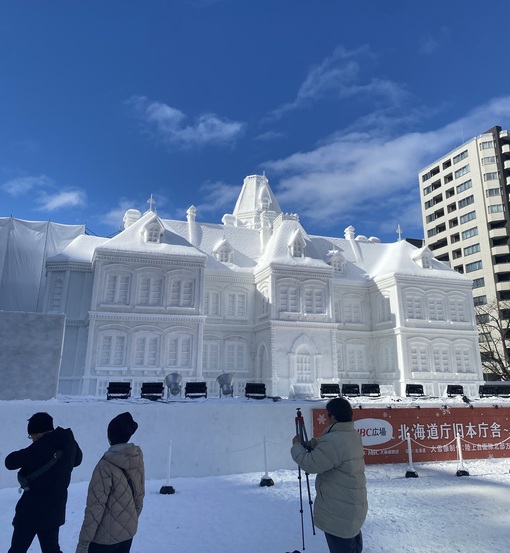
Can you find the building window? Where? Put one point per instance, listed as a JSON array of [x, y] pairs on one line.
[[352, 311], [466, 201], [457, 307], [441, 359], [464, 186], [487, 145], [460, 157], [303, 367], [181, 293], [480, 300], [384, 309], [211, 356], [150, 291], [146, 351], [491, 176], [475, 248], [491, 192], [436, 309], [488, 160], [356, 358], [236, 305], [297, 248], [223, 255], [56, 295], [462, 360], [470, 232], [419, 358], [414, 308], [179, 350], [212, 304], [478, 282], [498, 208], [475, 266], [461, 171], [235, 356], [468, 217], [289, 299], [117, 289], [314, 300], [153, 233], [482, 318], [112, 350]]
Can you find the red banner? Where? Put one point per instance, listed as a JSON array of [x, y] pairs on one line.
[[484, 432]]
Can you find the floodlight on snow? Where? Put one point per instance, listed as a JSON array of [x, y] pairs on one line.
[[350, 390], [195, 389], [330, 390], [173, 383], [225, 383]]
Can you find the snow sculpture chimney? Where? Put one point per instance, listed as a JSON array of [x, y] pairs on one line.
[[130, 217], [265, 230], [229, 220], [191, 216], [349, 233]]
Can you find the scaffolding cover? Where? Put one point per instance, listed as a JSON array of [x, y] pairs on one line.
[[24, 248]]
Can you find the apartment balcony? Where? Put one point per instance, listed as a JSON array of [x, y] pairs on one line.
[[503, 286], [501, 250], [506, 165], [494, 217], [508, 181], [498, 232], [504, 134], [502, 268], [505, 149]]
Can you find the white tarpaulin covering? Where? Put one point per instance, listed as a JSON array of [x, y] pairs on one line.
[[24, 248]]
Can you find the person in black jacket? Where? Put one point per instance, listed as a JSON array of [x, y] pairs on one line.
[[44, 475]]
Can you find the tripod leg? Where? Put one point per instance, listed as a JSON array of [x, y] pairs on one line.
[[298, 432], [310, 502]]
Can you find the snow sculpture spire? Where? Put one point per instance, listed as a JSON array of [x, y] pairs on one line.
[[152, 202], [256, 196]]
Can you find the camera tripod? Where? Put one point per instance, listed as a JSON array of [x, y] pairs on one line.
[[301, 432]]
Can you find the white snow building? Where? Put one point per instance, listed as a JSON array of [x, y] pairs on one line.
[[256, 296]]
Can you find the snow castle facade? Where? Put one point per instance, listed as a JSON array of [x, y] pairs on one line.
[[259, 297]]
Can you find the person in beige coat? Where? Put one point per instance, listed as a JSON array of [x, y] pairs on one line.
[[340, 506], [115, 493]]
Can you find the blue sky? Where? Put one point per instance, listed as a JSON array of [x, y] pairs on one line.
[[105, 102]]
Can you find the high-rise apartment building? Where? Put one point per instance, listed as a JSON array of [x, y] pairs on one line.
[[466, 213]]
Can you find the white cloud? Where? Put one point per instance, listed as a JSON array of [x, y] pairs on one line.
[[355, 177], [62, 199], [19, 186], [168, 124], [114, 217], [339, 75], [217, 196]]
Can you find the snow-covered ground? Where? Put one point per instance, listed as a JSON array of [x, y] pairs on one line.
[[437, 512]]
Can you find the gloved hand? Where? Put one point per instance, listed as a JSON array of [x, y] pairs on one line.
[[82, 547]]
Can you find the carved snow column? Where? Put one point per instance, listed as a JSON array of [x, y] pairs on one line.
[[265, 230], [349, 233], [192, 231]]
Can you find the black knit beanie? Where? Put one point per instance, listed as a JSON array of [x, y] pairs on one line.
[[121, 428], [39, 423]]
